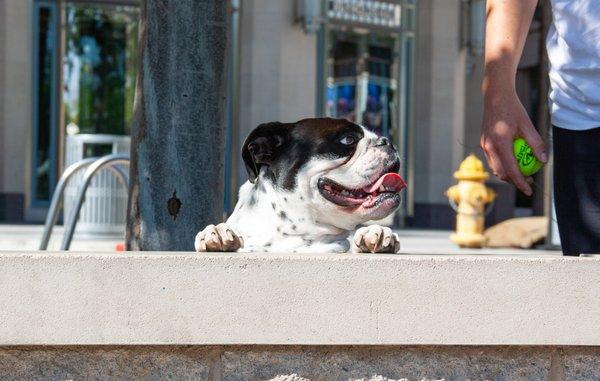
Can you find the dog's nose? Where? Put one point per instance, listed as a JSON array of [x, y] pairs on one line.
[[383, 141]]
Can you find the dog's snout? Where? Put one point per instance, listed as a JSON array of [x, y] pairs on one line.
[[383, 141]]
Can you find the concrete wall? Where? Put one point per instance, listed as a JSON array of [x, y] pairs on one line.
[[71, 298], [230, 316], [15, 106], [277, 81]]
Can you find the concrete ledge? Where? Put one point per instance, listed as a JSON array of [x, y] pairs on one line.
[[235, 299]]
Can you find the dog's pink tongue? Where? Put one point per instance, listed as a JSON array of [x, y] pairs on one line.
[[390, 181]]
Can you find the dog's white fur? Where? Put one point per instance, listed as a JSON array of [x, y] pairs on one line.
[[271, 219]]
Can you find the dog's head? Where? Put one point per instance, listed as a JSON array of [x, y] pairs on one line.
[[341, 172]]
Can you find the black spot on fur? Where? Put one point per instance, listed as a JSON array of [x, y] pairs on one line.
[[273, 205], [308, 242], [294, 227], [282, 215], [278, 229], [252, 200], [301, 198], [285, 199], [268, 244]]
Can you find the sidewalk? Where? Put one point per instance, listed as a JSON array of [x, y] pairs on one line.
[[27, 237]]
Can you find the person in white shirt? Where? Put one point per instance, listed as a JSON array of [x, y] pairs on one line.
[[573, 45]]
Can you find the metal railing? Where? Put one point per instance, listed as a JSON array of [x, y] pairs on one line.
[[93, 165]]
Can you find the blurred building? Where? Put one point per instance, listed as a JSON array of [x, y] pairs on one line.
[[409, 69]]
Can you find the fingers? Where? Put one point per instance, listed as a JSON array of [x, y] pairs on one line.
[[500, 156], [536, 143], [512, 173], [489, 149], [502, 123]]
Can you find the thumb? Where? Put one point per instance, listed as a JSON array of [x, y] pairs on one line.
[[536, 143]]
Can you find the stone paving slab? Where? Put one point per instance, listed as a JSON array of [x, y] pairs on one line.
[[27, 237], [581, 363], [386, 363], [107, 363]]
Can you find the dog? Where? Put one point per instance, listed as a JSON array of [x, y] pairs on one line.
[[310, 184]]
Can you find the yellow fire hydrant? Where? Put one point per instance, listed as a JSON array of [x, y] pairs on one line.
[[468, 198]]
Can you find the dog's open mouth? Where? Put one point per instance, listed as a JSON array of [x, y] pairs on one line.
[[386, 188]]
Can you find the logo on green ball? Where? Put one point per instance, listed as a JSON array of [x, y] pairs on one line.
[[528, 163]]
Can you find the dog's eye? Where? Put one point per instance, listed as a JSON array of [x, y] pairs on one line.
[[348, 140]]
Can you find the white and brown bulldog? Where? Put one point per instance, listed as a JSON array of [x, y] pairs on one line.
[[311, 183]]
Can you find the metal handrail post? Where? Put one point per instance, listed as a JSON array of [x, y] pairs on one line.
[[87, 178], [71, 170], [57, 197]]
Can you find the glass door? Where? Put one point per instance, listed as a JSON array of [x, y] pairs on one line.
[[44, 62], [362, 79], [366, 76], [83, 78]]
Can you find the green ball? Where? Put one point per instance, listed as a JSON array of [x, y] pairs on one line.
[[528, 163]]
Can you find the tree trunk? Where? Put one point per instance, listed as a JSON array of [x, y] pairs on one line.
[[176, 180]]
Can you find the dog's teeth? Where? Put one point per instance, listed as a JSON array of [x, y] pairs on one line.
[[381, 188]]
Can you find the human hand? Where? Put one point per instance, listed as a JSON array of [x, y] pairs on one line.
[[504, 120]]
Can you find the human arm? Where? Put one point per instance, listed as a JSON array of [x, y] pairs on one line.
[[504, 117]]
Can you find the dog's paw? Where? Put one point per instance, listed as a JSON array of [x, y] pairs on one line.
[[218, 238], [375, 239]]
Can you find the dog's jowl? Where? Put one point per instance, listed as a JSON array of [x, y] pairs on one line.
[[310, 184]]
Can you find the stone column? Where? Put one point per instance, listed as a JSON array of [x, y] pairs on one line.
[[177, 136]]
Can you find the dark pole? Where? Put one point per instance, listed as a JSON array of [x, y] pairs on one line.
[[176, 180]]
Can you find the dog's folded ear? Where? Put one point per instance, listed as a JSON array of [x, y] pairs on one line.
[[263, 146]]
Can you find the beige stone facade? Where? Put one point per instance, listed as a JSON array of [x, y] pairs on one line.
[[276, 77], [15, 107]]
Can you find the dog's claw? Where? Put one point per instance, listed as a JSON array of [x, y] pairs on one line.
[[375, 239], [218, 238]]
